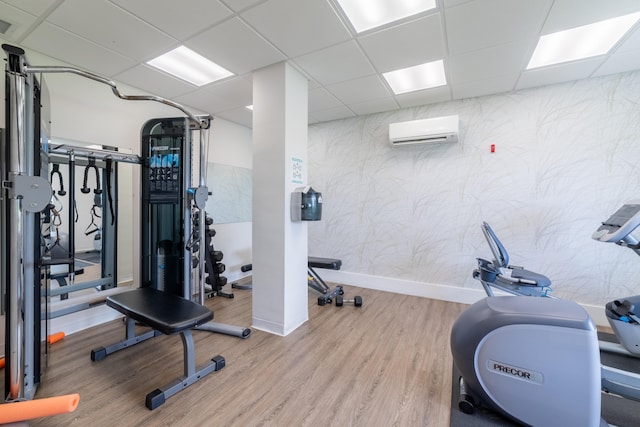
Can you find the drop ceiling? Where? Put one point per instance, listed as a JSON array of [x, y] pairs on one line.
[[485, 45]]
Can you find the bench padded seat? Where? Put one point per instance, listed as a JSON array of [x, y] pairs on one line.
[[326, 263], [164, 312]]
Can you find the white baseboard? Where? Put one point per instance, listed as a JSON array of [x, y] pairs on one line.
[[429, 290], [274, 327], [234, 277]]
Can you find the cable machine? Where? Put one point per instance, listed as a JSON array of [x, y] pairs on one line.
[[175, 242], [172, 236], [166, 262], [99, 180]]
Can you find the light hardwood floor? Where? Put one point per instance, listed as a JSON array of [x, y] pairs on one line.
[[385, 364]]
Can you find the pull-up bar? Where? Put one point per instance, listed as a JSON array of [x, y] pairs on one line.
[[95, 153], [202, 122]]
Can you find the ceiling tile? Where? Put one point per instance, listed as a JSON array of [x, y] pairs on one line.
[[559, 73], [563, 14], [153, 81], [180, 19], [321, 65], [359, 90], [241, 116], [58, 43], [239, 5], [34, 7], [220, 96], [631, 42], [424, 97], [480, 24], [620, 62], [503, 60], [488, 86], [331, 114], [20, 22], [374, 106], [223, 43], [97, 20], [298, 27], [321, 99], [406, 45], [625, 57], [452, 3]]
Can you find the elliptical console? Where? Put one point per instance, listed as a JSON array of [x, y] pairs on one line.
[[619, 226]]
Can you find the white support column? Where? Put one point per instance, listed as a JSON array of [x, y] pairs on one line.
[[279, 255]]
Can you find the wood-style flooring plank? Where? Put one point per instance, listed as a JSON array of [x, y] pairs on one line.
[[387, 363]]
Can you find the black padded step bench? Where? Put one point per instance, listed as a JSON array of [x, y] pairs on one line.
[[167, 314], [316, 282]]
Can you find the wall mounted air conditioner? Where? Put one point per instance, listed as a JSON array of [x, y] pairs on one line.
[[425, 131]]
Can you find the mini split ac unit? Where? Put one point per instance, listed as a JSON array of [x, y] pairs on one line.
[[425, 131]]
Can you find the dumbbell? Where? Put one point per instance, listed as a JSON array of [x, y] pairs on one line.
[[356, 301], [220, 281]]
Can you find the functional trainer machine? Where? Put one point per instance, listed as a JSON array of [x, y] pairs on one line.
[[546, 349], [26, 194]]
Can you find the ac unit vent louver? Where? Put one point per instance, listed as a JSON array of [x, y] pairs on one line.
[[425, 131]]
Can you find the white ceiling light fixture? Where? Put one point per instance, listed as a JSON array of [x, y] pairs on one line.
[[190, 66], [581, 42], [249, 107], [367, 14], [418, 77]]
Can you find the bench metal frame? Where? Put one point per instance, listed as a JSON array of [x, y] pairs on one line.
[[190, 314], [316, 282]]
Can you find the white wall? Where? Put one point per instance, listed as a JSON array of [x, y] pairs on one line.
[[408, 218], [231, 145]]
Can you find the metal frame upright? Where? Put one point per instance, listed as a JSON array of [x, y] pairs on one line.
[[25, 193]]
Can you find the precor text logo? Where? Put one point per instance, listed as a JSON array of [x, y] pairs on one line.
[[514, 371]]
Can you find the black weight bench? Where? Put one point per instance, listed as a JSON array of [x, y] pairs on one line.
[[167, 314], [316, 282]]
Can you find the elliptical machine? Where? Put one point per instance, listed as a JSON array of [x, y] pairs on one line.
[[534, 360], [537, 360], [623, 315]]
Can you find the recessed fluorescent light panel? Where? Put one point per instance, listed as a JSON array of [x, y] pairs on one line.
[[187, 65], [419, 77], [367, 14], [581, 42]]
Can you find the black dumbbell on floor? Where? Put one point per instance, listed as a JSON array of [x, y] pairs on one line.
[[356, 301]]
